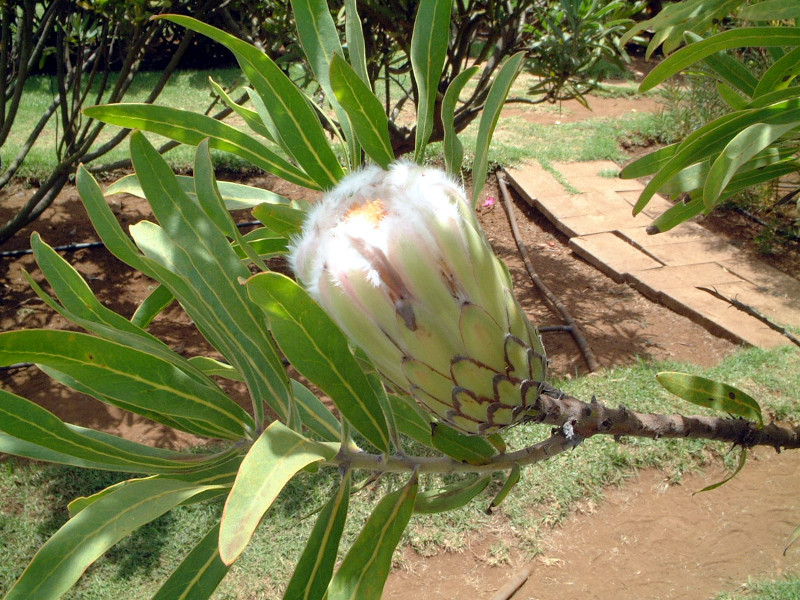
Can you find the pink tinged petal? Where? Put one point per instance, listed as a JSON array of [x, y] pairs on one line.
[[482, 336]]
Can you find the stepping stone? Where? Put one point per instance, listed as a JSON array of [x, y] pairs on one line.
[[532, 182], [688, 232], [779, 308], [612, 255], [708, 249]]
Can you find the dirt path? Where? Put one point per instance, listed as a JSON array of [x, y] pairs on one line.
[[648, 539]]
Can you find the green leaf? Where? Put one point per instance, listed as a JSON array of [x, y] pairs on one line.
[[364, 570], [30, 423], [136, 379], [728, 68], [648, 164], [745, 144], [450, 497], [282, 219], [780, 75], [745, 37], [679, 213], [731, 97], [213, 367], [453, 149], [739, 467], [315, 414], [411, 420], [712, 394], [792, 539], [370, 123], [771, 10], [429, 41], [275, 457], [199, 573], [354, 36], [315, 567], [83, 539], [319, 350], [251, 117], [152, 306], [192, 128], [320, 41], [296, 123], [491, 113], [237, 196], [511, 481], [195, 260], [471, 449]]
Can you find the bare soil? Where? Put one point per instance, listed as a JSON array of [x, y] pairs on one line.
[[647, 540]]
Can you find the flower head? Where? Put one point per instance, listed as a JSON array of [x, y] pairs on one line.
[[399, 261]]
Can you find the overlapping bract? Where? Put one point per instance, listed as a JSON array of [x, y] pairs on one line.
[[399, 261]]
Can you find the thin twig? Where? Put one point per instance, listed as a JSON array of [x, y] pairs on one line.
[[577, 334], [746, 308]]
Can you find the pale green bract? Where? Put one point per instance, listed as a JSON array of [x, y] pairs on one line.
[[397, 258]]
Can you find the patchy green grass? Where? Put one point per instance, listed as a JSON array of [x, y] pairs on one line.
[[35, 496], [787, 588]]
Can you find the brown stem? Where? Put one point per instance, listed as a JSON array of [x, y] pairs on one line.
[[577, 334]]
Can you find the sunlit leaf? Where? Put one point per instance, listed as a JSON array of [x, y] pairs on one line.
[[84, 538], [452, 147], [319, 350], [429, 41], [315, 566], [276, 456], [739, 467], [364, 570], [712, 394]]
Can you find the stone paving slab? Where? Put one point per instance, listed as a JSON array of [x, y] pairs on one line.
[[667, 267]]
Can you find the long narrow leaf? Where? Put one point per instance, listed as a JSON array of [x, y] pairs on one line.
[[354, 36], [320, 40], [199, 573], [252, 118], [319, 350], [84, 538], [276, 456], [192, 128], [746, 144], [364, 570], [300, 132], [137, 379], [370, 123], [781, 74], [315, 567], [453, 149], [491, 113], [204, 273], [713, 394], [429, 41], [746, 37]]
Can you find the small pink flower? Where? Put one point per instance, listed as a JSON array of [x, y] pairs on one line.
[[489, 202]]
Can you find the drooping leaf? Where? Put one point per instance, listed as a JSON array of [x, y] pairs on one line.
[[370, 123], [429, 41], [511, 481], [771, 10], [275, 457], [728, 69], [451, 496], [744, 145], [712, 394], [299, 130], [742, 37], [83, 539], [192, 128], [452, 147], [319, 350], [199, 573], [491, 113], [152, 306], [364, 570], [739, 467], [315, 566]]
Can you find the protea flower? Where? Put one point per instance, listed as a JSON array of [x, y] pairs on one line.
[[397, 258]]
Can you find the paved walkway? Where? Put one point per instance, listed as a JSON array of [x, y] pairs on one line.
[[667, 267]]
